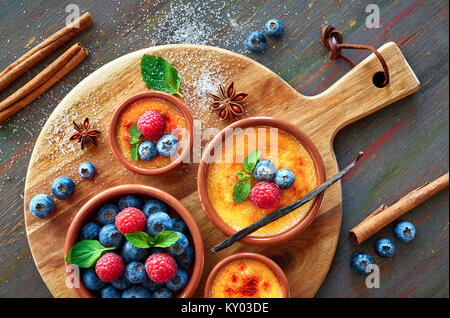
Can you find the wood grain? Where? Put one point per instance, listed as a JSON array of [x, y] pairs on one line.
[[307, 257]]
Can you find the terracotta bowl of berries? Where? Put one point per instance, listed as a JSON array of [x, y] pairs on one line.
[[254, 167], [134, 241], [246, 275], [151, 133]]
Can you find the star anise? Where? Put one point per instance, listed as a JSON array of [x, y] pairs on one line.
[[84, 134], [228, 102]]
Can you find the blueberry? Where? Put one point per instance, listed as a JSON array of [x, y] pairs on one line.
[[107, 213], [147, 151], [264, 170], [385, 247], [154, 205], [90, 231], [92, 281], [131, 253], [135, 272], [179, 225], [41, 205], [86, 170], [110, 236], [284, 178], [167, 145], [158, 222], [405, 231], [110, 292], [121, 283], [274, 28], [178, 282], [130, 200], [63, 188], [151, 285], [185, 259], [136, 292], [256, 42], [180, 245], [162, 293], [359, 263]]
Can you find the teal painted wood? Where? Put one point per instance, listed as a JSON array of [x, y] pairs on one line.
[[406, 143]]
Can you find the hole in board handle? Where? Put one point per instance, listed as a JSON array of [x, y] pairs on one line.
[[378, 79]]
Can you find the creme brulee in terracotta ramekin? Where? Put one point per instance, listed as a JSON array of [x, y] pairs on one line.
[[217, 177], [246, 275]]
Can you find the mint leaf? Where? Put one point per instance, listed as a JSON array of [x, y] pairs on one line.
[[134, 140], [242, 175], [85, 253], [134, 131], [241, 190], [134, 152], [158, 74], [166, 239], [251, 160], [140, 239]]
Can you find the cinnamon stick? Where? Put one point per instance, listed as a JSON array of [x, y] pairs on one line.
[[384, 215], [43, 81], [42, 50]]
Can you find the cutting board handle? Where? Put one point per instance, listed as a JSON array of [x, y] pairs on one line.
[[355, 95]]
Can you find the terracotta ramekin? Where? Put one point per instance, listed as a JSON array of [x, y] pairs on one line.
[[112, 136], [90, 208], [268, 122], [239, 256]]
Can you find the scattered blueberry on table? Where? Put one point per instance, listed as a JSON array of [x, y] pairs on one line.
[[63, 188], [256, 42], [405, 231], [274, 28], [385, 247], [360, 261], [41, 205], [86, 170]]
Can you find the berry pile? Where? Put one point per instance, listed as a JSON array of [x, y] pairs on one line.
[[151, 126], [127, 271], [265, 194]]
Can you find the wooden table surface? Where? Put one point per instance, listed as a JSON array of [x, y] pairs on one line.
[[406, 144]]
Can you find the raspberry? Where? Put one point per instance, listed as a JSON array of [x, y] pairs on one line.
[[151, 124], [265, 195], [161, 267], [130, 220], [109, 267]]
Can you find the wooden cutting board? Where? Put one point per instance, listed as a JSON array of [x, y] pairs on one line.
[[305, 259]]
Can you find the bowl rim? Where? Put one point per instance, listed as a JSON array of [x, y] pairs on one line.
[[112, 136], [90, 207], [300, 136], [276, 269]]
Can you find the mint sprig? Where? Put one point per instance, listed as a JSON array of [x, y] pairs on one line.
[[158, 74], [134, 141], [242, 188], [143, 240], [85, 253]]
